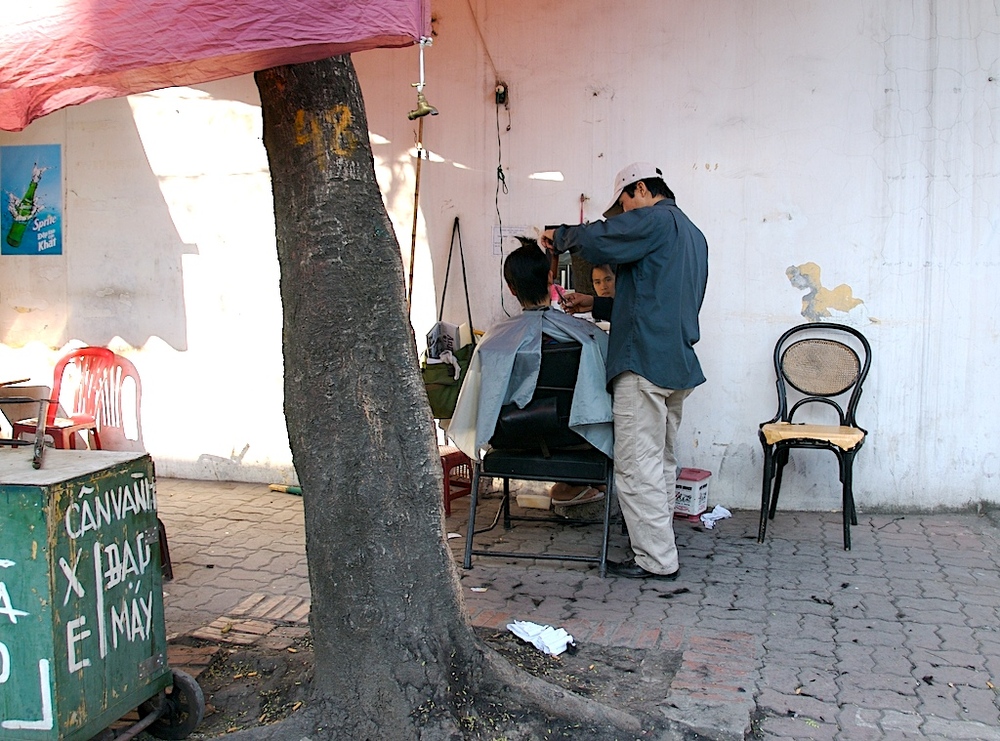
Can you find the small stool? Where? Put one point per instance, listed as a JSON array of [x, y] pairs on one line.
[[457, 474]]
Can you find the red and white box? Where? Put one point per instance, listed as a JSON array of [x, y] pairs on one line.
[[692, 492]]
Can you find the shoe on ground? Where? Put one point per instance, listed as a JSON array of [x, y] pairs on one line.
[[631, 570]]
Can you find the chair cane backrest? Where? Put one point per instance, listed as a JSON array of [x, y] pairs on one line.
[[88, 367], [824, 362], [820, 367], [120, 421]]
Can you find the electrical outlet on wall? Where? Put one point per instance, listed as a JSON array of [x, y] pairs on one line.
[[501, 93]]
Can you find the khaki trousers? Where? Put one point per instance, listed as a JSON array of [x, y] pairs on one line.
[[646, 422]]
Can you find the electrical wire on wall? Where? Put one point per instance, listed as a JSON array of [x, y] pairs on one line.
[[502, 98], [501, 183]]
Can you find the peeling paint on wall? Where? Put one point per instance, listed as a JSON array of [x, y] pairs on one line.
[[819, 303]]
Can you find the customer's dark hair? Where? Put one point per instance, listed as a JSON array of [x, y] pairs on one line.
[[655, 186], [526, 271]]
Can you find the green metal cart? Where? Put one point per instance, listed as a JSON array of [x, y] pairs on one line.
[[82, 637]]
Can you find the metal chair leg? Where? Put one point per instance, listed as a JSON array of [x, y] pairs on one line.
[[765, 492], [847, 521], [850, 514], [587, 461], [850, 486], [780, 461], [608, 494], [473, 501], [506, 504]]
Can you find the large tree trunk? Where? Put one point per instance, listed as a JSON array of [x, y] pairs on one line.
[[387, 621], [395, 656]]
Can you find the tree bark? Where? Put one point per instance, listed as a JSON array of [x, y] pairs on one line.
[[395, 656], [387, 620]]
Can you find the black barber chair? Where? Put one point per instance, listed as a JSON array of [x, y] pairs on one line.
[[536, 444]]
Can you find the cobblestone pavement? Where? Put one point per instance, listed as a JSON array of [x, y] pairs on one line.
[[228, 541], [898, 638]]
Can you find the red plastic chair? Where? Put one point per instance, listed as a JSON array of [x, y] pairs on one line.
[[120, 428], [120, 420], [90, 366]]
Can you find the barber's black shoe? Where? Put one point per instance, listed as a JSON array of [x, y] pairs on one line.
[[631, 570]]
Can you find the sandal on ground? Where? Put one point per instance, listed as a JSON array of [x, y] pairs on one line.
[[586, 495]]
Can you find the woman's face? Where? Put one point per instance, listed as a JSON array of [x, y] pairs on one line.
[[604, 282]]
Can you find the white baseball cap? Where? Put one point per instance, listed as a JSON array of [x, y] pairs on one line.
[[626, 176]]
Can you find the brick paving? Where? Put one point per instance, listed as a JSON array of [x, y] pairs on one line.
[[228, 541], [898, 638]]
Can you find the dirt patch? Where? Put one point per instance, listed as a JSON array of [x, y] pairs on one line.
[[628, 678], [252, 686]]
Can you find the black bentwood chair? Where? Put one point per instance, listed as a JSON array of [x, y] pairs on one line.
[[817, 365], [536, 444]]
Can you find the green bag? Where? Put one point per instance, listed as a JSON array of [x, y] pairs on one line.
[[439, 378], [441, 384]]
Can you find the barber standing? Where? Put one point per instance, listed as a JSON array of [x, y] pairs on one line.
[[662, 260]]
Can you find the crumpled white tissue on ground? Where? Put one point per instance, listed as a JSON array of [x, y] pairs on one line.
[[719, 513], [549, 640]]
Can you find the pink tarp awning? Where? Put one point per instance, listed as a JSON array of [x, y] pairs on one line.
[[58, 53]]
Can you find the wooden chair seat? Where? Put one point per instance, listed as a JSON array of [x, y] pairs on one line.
[[845, 438]]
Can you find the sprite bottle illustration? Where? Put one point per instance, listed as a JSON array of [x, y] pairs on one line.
[[24, 209]]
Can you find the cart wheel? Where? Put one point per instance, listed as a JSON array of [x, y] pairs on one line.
[[184, 711]]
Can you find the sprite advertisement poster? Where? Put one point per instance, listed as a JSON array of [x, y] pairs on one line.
[[31, 200]]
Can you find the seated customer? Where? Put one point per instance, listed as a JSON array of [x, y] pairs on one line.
[[504, 367]]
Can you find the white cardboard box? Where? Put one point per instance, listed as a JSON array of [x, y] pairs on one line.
[[692, 492]]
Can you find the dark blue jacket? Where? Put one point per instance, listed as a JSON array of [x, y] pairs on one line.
[[660, 281]]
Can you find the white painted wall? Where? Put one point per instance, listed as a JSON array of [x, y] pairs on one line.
[[169, 258], [859, 136]]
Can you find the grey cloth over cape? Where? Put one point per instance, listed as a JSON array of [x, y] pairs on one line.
[[504, 369]]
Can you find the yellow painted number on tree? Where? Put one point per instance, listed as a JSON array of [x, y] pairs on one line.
[[311, 129]]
